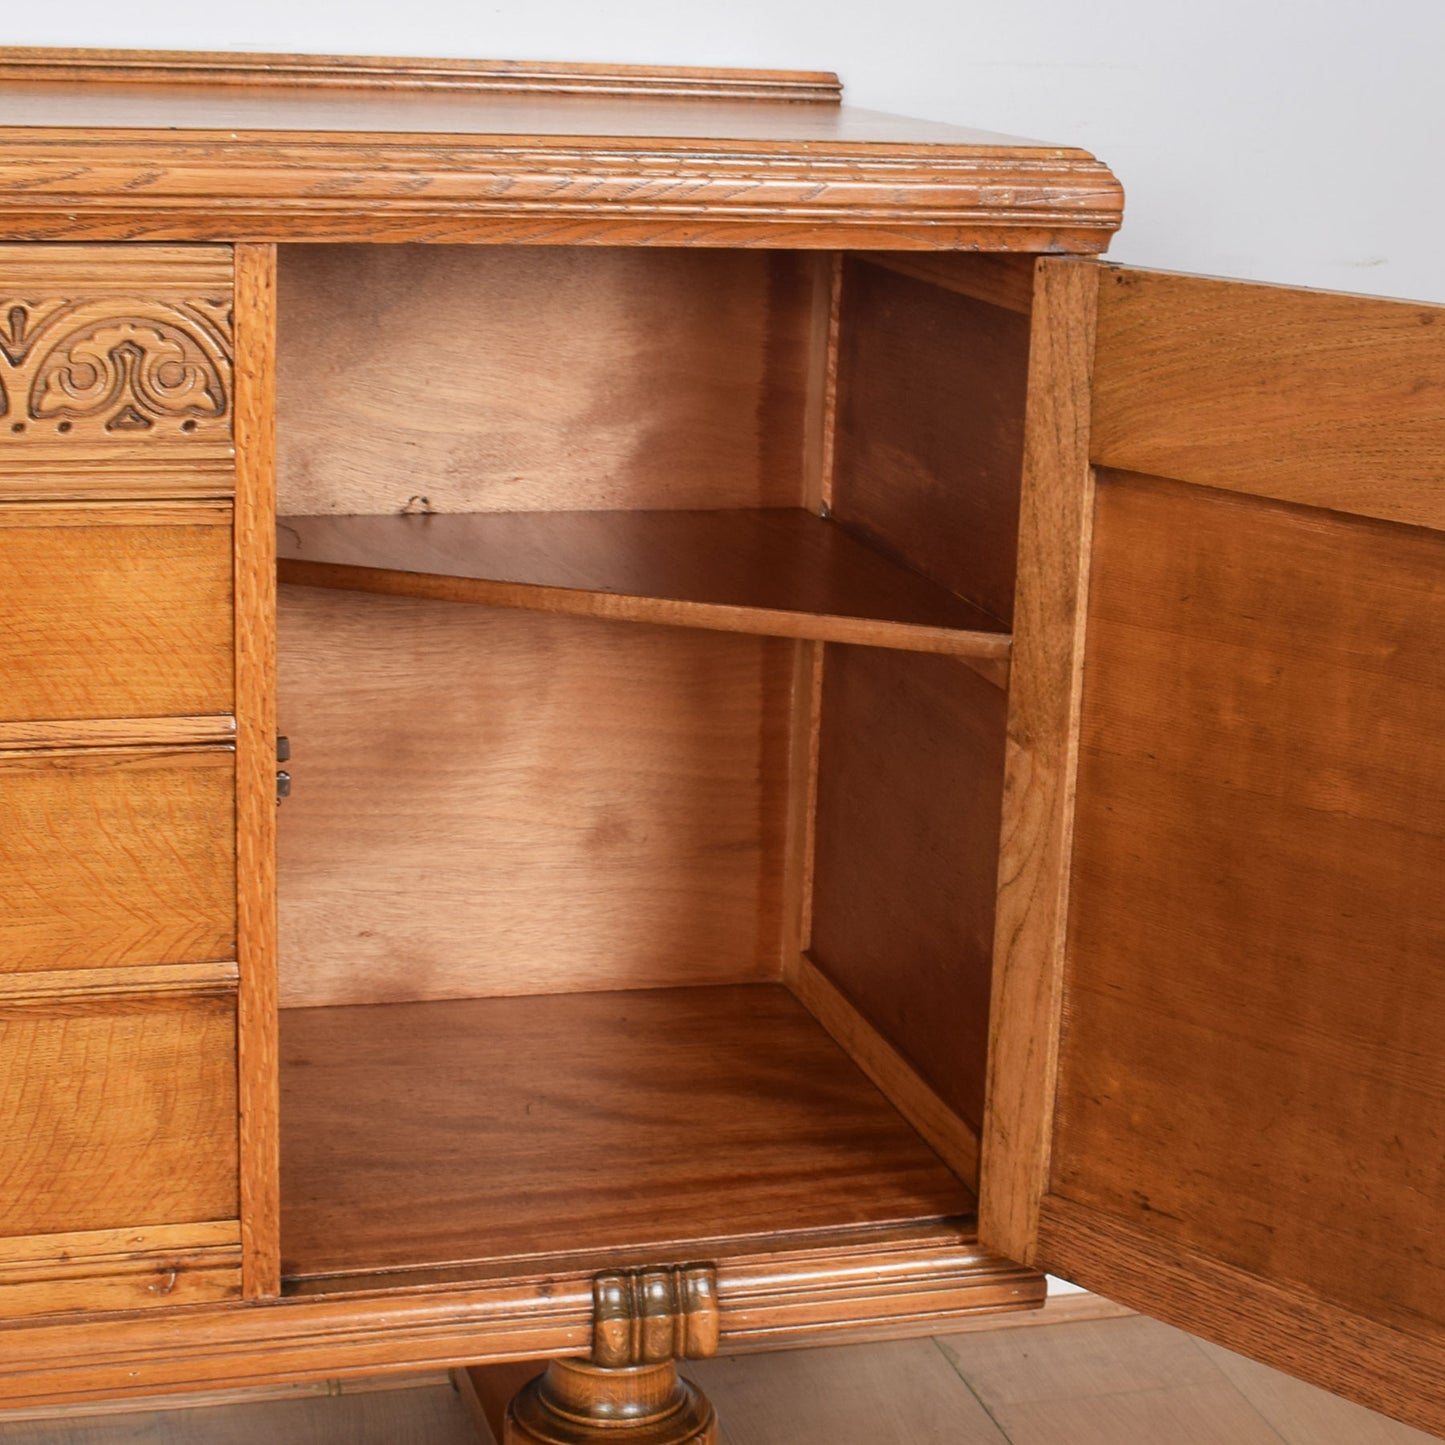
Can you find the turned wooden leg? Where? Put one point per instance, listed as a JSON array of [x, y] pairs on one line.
[[629, 1393], [575, 1403]]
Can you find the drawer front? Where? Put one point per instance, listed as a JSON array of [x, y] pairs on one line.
[[117, 1110], [117, 856], [122, 1269], [115, 612], [118, 1144]]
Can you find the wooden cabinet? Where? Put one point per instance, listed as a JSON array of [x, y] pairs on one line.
[[843, 752]]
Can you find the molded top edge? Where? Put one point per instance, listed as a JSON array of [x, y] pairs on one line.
[[212, 68]]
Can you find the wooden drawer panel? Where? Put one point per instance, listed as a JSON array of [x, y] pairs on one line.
[[117, 1110], [113, 856], [115, 612], [122, 1269]]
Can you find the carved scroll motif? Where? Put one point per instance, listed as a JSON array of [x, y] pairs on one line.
[[113, 367], [643, 1317]]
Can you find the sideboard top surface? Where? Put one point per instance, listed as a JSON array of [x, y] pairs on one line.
[[112, 145]]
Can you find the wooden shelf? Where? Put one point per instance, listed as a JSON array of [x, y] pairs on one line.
[[781, 572], [419, 1136]]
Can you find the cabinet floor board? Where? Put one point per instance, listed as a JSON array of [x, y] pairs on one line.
[[427, 1134]]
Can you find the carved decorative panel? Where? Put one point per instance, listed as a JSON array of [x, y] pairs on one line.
[[115, 371], [115, 367]]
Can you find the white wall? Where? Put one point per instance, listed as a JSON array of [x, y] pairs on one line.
[[1284, 140]]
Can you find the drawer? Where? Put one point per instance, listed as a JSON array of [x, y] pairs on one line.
[[117, 1109], [121, 1269], [117, 856], [120, 611]]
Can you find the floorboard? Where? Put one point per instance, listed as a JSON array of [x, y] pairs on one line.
[[433, 1415]]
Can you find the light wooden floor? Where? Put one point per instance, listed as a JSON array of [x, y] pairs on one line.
[[1124, 1381]]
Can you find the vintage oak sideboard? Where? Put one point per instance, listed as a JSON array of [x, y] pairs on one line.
[[842, 751]]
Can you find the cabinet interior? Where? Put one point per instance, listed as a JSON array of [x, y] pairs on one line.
[[642, 648]]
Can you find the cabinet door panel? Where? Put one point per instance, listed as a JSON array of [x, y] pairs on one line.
[[1244, 1126]]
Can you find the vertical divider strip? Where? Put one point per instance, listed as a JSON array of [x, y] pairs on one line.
[[807, 684], [255, 603]]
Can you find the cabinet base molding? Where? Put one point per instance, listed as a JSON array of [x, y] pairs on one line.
[[873, 1284]]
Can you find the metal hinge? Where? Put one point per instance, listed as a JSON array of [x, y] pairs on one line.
[[283, 779]]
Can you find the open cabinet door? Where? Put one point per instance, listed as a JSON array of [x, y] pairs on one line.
[[1218, 1061]]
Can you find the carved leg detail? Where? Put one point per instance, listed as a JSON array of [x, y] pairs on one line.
[[630, 1392], [575, 1403]]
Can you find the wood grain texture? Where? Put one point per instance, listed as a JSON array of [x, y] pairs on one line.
[[255, 687], [115, 612], [538, 189], [119, 515], [496, 802], [460, 224], [930, 429], [117, 1112], [106, 345], [821, 404], [910, 773], [1395, 1371], [120, 471], [105, 1243], [222, 1397], [939, 1125], [60, 268], [196, 104], [118, 732], [430, 1134], [115, 856], [1253, 1000], [409, 1412], [800, 838], [1006, 281], [120, 1269], [1306, 396], [354, 72], [101, 983], [515, 379], [778, 572], [274, 161], [839, 1286], [1056, 512]]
